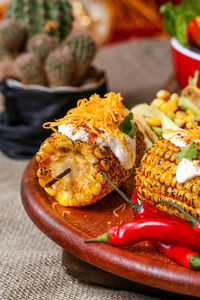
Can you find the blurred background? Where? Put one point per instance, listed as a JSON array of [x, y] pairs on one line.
[[111, 21]]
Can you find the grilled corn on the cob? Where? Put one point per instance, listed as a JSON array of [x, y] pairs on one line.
[[162, 176], [81, 150]]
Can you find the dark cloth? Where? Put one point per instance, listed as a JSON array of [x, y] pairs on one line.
[[21, 131]]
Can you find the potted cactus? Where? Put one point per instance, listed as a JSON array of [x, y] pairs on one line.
[[44, 70]]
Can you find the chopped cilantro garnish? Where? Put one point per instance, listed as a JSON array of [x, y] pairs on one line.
[[127, 126], [189, 152]]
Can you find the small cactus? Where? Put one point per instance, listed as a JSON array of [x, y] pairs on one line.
[[12, 34], [51, 16], [41, 44], [29, 69], [59, 68], [5, 53], [82, 47]]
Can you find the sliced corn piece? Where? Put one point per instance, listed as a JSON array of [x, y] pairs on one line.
[[189, 111], [169, 106], [189, 125], [157, 102], [153, 121], [189, 118], [174, 97], [171, 115], [163, 94], [180, 114], [179, 122]]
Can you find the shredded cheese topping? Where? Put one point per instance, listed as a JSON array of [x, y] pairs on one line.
[[186, 135], [54, 204], [119, 208], [65, 212], [97, 113]]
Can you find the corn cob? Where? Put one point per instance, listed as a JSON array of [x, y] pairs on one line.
[[156, 179], [86, 158], [84, 185]]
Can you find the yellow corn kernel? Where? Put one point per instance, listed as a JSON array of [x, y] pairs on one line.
[[153, 121], [180, 114], [43, 182], [63, 198], [189, 111], [96, 189], [179, 122], [171, 115], [174, 97], [50, 191], [163, 94], [189, 125], [47, 147], [189, 118], [105, 165], [169, 106], [157, 103]]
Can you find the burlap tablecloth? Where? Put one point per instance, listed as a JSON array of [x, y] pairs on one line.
[[30, 263]]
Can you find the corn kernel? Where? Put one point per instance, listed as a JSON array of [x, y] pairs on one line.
[[180, 114], [171, 115], [174, 97], [189, 125], [189, 111], [50, 191], [96, 189], [43, 181], [163, 94], [189, 118], [169, 106], [63, 198], [47, 147], [179, 122], [153, 121], [157, 103], [105, 165]]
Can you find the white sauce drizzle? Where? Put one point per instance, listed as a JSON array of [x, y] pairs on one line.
[[126, 157], [186, 169]]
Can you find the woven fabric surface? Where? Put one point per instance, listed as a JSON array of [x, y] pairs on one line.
[[30, 263]]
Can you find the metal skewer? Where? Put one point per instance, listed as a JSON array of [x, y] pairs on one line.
[[60, 176]]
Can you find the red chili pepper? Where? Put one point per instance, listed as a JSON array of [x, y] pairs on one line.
[[193, 221], [147, 210], [144, 210], [193, 32], [167, 231], [183, 256]]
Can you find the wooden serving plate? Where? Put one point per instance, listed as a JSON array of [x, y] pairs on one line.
[[139, 268]]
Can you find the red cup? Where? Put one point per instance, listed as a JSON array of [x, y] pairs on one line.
[[185, 62]]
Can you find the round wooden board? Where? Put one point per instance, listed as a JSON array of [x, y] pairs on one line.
[[137, 267]]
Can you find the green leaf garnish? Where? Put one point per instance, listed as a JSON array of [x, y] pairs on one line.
[[192, 81], [189, 152], [177, 17], [127, 126]]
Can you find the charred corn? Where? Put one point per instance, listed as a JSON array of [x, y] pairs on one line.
[[81, 146], [163, 176]]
